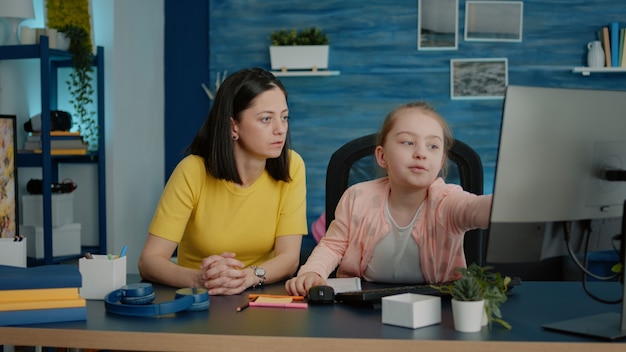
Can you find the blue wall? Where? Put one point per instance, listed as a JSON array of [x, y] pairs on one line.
[[374, 46]]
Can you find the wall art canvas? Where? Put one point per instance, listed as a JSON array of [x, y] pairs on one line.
[[494, 21], [437, 24], [478, 78], [8, 177]]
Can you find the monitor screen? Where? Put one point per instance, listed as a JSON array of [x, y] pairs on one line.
[[560, 170], [555, 146]]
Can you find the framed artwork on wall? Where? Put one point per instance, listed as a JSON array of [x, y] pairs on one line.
[[8, 177], [478, 78], [494, 21], [437, 24]]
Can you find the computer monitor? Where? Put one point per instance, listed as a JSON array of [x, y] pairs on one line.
[[558, 149]]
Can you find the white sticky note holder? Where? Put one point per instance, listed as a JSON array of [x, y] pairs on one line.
[[411, 310], [13, 253], [101, 275]]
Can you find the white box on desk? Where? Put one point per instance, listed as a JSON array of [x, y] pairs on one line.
[[13, 253], [411, 310], [62, 209], [101, 275], [65, 240]]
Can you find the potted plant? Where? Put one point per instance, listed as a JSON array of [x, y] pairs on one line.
[[468, 305], [299, 50], [478, 286]]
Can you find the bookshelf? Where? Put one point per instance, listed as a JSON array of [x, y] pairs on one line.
[[50, 61]]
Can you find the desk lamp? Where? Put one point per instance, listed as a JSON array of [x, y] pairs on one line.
[[14, 12]]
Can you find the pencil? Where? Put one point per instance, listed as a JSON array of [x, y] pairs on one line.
[[243, 306]]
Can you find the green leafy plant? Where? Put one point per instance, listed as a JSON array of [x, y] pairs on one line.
[[478, 283], [308, 36], [80, 82], [467, 288]]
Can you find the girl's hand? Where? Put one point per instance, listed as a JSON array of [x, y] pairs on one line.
[[300, 285]]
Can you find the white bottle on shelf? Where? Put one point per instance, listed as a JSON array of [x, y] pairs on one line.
[[595, 55]]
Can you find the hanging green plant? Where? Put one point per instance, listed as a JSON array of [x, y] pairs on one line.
[[79, 83], [72, 18]]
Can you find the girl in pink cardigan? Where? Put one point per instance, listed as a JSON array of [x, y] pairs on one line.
[[407, 227]]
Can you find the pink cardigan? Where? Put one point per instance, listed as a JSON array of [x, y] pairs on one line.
[[360, 222]]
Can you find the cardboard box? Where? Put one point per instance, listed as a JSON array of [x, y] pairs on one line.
[[411, 310], [13, 253], [62, 209], [101, 275], [65, 240]]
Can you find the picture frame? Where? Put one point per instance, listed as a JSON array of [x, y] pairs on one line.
[[478, 78], [494, 21], [437, 24], [8, 177]]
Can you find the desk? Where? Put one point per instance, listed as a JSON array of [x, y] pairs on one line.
[[338, 326]]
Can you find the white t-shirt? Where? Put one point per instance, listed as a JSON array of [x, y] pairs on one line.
[[396, 258]]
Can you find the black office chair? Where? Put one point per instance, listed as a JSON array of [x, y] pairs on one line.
[[355, 162]]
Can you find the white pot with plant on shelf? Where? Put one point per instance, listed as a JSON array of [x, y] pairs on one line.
[[304, 50]]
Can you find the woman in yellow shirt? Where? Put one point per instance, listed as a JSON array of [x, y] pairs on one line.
[[235, 207]]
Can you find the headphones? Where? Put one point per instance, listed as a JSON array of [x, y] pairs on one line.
[[136, 300]]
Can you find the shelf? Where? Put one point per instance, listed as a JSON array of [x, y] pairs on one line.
[[34, 51], [586, 71], [305, 73], [31, 159], [50, 60]]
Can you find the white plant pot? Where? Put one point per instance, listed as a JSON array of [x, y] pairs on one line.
[[300, 57], [468, 315]]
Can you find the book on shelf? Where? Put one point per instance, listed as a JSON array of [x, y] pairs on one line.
[[39, 316], [44, 276], [620, 47], [57, 144], [606, 44], [8, 296], [59, 134], [64, 151], [44, 303], [623, 47], [614, 37], [36, 136]]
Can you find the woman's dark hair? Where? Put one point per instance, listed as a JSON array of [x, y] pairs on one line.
[[214, 143]]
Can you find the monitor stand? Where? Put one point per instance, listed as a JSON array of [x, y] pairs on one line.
[[610, 326], [605, 326]]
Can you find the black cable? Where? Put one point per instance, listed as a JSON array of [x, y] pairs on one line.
[[583, 268]]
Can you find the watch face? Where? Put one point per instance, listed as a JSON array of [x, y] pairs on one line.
[[259, 272]]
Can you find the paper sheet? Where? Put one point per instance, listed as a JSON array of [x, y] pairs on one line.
[[345, 284]]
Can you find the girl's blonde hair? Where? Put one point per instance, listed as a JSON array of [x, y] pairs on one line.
[[448, 138]]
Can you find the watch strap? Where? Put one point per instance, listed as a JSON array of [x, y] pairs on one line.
[[260, 273]]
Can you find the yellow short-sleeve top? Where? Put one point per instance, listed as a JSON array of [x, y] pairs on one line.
[[207, 216]]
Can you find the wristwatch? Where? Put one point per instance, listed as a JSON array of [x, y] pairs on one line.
[[260, 273]]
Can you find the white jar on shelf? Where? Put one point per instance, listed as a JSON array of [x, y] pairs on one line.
[[595, 55]]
